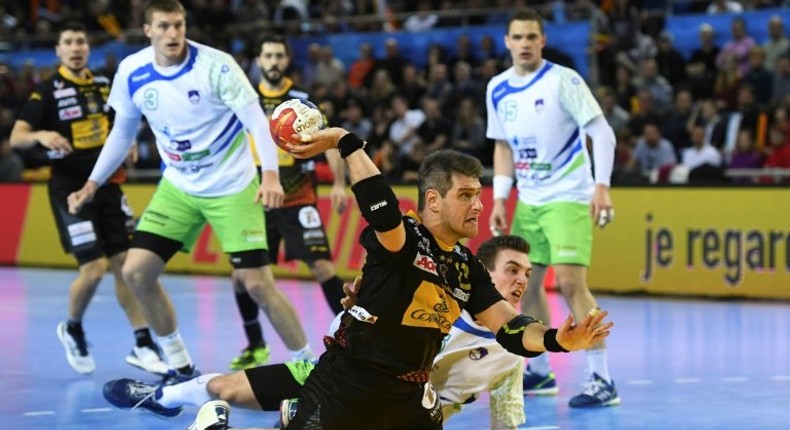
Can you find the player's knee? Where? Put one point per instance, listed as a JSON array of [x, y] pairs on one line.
[[571, 285], [136, 277], [92, 272], [322, 270], [223, 388]]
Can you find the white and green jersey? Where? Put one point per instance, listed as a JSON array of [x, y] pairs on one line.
[[190, 108], [541, 116]]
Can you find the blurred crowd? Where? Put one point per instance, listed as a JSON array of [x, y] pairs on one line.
[[677, 118]]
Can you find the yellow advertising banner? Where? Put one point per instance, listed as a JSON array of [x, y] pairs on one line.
[[706, 241], [711, 242]]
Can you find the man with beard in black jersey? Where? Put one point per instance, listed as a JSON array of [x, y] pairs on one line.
[[297, 222], [416, 280], [68, 115]]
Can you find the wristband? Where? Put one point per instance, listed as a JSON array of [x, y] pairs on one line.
[[348, 144], [550, 341], [502, 186]]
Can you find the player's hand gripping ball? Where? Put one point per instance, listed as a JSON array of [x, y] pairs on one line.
[[294, 116]]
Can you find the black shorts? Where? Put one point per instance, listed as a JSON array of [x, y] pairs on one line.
[[272, 384], [302, 230], [102, 228], [342, 394]]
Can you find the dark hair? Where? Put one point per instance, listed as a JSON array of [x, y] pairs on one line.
[[525, 15], [74, 26], [490, 249], [169, 6], [273, 38], [436, 172]]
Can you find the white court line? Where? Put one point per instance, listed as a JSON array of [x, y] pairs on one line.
[[38, 413], [539, 428], [639, 382], [687, 380], [781, 378], [95, 410], [735, 379]]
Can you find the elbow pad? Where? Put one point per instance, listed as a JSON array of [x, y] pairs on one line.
[[378, 203], [510, 336]]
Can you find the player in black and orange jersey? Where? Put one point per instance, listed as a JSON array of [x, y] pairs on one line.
[[68, 114], [297, 222]]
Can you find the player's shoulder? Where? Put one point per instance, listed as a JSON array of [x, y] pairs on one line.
[[566, 74], [297, 92], [210, 55], [500, 77], [135, 61]]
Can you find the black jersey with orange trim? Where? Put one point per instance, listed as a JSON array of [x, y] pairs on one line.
[[77, 109], [297, 176], [408, 301]]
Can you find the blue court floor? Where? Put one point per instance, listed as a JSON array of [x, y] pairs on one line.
[[677, 363]]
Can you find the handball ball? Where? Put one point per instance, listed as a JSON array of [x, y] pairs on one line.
[[295, 116]]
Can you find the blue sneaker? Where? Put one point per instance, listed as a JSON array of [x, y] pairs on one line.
[[130, 394], [173, 377], [596, 394], [539, 385]]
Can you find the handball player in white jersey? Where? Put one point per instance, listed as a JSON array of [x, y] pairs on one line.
[[198, 103], [540, 115]]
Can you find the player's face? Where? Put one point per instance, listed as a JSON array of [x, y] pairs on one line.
[[73, 50], [525, 41], [461, 206], [273, 61], [167, 32], [511, 271]]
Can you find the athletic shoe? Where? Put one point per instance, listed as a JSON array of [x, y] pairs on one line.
[[173, 377], [251, 356], [597, 393], [130, 394], [287, 411], [213, 415], [76, 350], [147, 358], [539, 385]]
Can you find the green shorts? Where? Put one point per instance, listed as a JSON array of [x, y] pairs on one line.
[[558, 233], [239, 224]]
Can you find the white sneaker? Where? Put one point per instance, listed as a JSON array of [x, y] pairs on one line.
[[76, 351], [213, 415], [148, 359]]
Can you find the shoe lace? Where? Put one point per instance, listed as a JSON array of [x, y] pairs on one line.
[[595, 387], [141, 391]]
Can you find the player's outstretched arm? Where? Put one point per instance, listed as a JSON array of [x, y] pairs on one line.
[[526, 336], [374, 196]]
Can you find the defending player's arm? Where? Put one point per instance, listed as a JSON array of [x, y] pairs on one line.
[[528, 337], [503, 182], [271, 193], [113, 154], [375, 197], [338, 194]]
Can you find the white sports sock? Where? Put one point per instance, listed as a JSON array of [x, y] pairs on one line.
[[192, 392], [597, 363], [305, 353], [540, 364], [176, 353]]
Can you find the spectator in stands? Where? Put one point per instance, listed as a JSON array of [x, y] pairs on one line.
[[779, 145], [616, 116], [724, 6], [435, 55], [781, 85], [759, 78], [403, 129], [424, 19], [464, 86], [392, 61], [413, 87], [329, 68], [645, 112], [749, 114], [706, 113], [355, 121], [728, 80], [745, 156], [738, 47], [700, 153], [439, 86], [649, 79], [701, 68], [651, 151], [624, 89], [671, 63], [469, 132], [310, 68], [465, 52], [382, 88], [359, 73], [435, 131], [777, 43], [677, 124]]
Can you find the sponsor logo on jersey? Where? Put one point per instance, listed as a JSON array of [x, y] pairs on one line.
[[198, 167], [361, 314], [430, 308], [478, 353], [65, 92], [425, 263], [70, 101], [194, 156], [194, 96], [180, 145], [70, 113], [141, 77], [460, 295], [174, 157], [309, 217]]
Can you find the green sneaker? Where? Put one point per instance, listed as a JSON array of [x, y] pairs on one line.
[[251, 357]]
